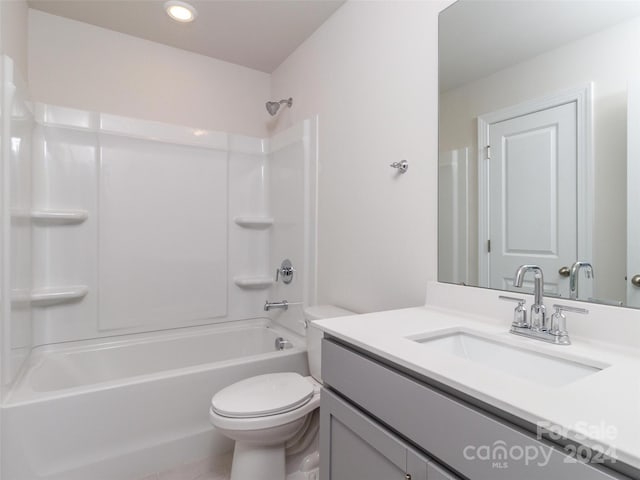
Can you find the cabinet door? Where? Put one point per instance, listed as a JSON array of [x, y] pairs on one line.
[[416, 465], [353, 447]]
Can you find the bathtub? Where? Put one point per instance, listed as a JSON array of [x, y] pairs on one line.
[[122, 408]]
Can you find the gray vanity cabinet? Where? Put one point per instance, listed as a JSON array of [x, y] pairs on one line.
[[365, 400], [436, 473], [355, 447]]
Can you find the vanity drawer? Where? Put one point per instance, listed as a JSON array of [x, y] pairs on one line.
[[455, 433]]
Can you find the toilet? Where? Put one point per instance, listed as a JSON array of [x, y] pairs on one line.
[[266, 412]]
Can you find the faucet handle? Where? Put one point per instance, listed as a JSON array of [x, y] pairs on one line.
[[286, 271], [566, 308], [512, 299], [520, 313], [559, 322]]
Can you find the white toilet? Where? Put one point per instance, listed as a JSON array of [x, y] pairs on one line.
[[265, 412]]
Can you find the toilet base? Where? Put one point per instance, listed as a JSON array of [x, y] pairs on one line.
[[251, 462]]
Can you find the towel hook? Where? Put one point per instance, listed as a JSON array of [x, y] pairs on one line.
[[402, 166]]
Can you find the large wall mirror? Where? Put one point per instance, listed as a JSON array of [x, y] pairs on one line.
[[539, 146]]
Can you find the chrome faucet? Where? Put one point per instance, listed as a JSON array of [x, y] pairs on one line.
[[284, 305], [574, 274], [538, 317], [538, 328]]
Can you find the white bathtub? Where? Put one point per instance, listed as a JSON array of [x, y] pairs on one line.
[[122, 408]]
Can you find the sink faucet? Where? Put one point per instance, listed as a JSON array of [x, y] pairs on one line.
[[538, 318], [574, 274], [538, 328]]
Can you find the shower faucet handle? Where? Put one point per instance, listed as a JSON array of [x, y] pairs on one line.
[[286, 271]]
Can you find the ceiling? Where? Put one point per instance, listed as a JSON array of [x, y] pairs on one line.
[[258, 34], [473, 32]]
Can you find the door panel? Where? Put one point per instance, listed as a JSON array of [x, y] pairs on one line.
[[352, 446], [532, 195], [352, 457]]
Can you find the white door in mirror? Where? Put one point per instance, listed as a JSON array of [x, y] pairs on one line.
[[532, 195]]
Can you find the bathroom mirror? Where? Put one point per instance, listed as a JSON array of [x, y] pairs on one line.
[[535, 102]]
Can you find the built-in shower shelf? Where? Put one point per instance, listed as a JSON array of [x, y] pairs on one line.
[[59, 216], [44, 297], [254, 222], [255, 282]]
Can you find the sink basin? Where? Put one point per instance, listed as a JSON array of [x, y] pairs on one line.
[[518, 362]]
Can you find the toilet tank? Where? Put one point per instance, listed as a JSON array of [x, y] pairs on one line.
[[314, 334]]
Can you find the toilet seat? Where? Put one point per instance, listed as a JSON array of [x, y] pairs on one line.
[[243, 424], [262, 396]]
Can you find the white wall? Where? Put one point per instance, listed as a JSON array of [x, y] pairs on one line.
[[609, 60], [370, 73], [78, 65], [13, 33]]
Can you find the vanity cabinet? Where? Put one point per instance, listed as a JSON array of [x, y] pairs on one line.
[[356, 447], [436, 473], [365, 400]]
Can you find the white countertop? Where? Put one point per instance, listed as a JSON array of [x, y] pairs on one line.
[[601, 410]]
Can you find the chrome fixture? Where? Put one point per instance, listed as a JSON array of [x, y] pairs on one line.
[[285, 271], [635, 280], [281, 343], [559, 323], [273, 107], [537, 327], [574, 274], [284, 305], [402, 166], [520, 313], [538, 316]]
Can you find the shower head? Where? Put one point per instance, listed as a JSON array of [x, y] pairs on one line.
[[273, 107]]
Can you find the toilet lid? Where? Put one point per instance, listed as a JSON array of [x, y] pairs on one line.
[[263, 395]]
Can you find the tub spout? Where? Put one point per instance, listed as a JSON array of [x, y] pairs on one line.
[[284, 305]]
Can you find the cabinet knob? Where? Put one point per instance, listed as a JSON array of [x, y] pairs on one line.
[[564, 272], [407, 476]]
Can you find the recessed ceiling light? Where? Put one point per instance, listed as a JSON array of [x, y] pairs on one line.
[[180, 11]]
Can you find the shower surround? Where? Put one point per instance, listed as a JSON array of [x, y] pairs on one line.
[[127, 236]]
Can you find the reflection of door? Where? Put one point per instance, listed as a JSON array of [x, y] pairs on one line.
[[532, 178], [633, 193]]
